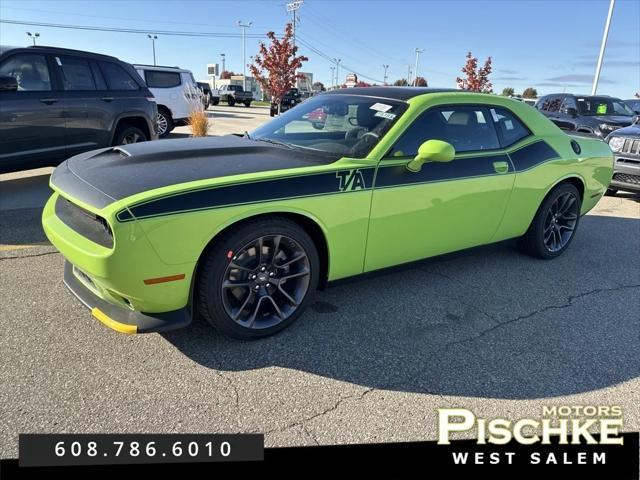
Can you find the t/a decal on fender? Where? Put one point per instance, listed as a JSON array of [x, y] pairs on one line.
[[349, 180]]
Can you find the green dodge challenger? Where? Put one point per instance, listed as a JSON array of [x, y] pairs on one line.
[[244, 229]]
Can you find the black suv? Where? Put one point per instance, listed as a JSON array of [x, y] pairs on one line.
[[290, 100], [594, 115], [55, 103], [625, 144]]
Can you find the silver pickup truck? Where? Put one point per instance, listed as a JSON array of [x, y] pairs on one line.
[[233, 94]]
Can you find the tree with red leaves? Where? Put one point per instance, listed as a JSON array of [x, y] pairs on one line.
[[227, 74], [362, 84], [477, 79], [420, 82], [275, 66]]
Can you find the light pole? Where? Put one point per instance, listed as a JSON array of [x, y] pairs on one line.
[[408, 75], [333, 70], [385, 73], [337, 60], [594, 88], [244, 27], [33, 36], [415, 70], [222, 57], [153, 39]]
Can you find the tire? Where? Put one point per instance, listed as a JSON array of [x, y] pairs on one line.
[[128, 134], [231, 101], [247, 104], [254, 301], [611, 192], [554, 225], [164, 118], [215, 101]]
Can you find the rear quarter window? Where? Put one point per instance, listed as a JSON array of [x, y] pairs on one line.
[[156, 79], [117, 78]]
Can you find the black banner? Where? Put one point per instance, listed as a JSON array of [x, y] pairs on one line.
[[394, 460]]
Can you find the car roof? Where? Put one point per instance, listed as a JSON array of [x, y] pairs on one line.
[[395, 93], [160, 68], [67, 51]]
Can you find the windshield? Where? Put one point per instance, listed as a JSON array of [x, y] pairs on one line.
[[343, 125], [597, 106]]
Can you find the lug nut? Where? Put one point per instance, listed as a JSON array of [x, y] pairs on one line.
[[268, 285], [263, 269], [257, 287], [271, 274]]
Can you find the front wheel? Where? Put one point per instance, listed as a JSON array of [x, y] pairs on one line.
[[257, 279], [165, 122], [247, 104], [554, 225], [231, 101]]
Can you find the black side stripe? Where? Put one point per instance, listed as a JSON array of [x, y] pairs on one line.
[[525, 158], [397, 175], [532, 155], [252, 192]]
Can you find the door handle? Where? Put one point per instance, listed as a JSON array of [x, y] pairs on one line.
[[501, 167], [107, 99], [48, 101]]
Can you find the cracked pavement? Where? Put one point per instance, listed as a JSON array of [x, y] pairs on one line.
[[371, 361]]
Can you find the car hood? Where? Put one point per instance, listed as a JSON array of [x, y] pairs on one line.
[[630, 131], [101, 177], [613, 119]]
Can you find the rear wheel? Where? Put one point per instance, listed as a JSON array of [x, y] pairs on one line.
[[165, 122], [554, 225], [247, 104], [127, 134], [258, 279]]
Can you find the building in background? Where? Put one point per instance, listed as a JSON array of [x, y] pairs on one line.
[[305, 84]]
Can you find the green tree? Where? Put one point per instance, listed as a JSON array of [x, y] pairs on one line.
[[530, 92], [508, 92], [319, 86], [402, 82]]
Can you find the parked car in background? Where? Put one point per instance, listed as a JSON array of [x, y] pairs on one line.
[[233, 94], [176, 92], [634, 104], [56, 102], [625, 144], [594, 115], [210, 96], [290, 100]]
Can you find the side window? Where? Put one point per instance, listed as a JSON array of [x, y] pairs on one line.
[[76, 73], [97, 76], [156, 79], [569, 102], [116, 77], [467, 128], [555, 102], [30, 71], [510, 128]]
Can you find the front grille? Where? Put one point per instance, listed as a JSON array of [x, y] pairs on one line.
[[626, 178], [87, 224], [631, 146]]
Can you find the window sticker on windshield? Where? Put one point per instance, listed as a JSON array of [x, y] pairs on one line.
[[381, 107], [388, 116], [602, 109]]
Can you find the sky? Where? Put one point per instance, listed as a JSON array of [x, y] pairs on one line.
[[551, 45]]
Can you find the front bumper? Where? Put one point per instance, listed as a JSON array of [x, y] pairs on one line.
[[626, 174], [122, 319]]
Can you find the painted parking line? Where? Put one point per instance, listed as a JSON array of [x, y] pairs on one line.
[[6, 248]]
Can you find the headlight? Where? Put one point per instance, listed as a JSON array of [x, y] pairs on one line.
[[616, 143], [606, 128]]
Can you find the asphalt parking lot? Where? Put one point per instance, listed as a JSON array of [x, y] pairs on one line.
[[371, 361]]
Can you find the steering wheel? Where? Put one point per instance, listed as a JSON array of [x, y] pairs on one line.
[[373, 134], [353, 133]]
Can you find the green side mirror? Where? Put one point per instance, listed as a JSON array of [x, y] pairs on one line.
[[432, 151]]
